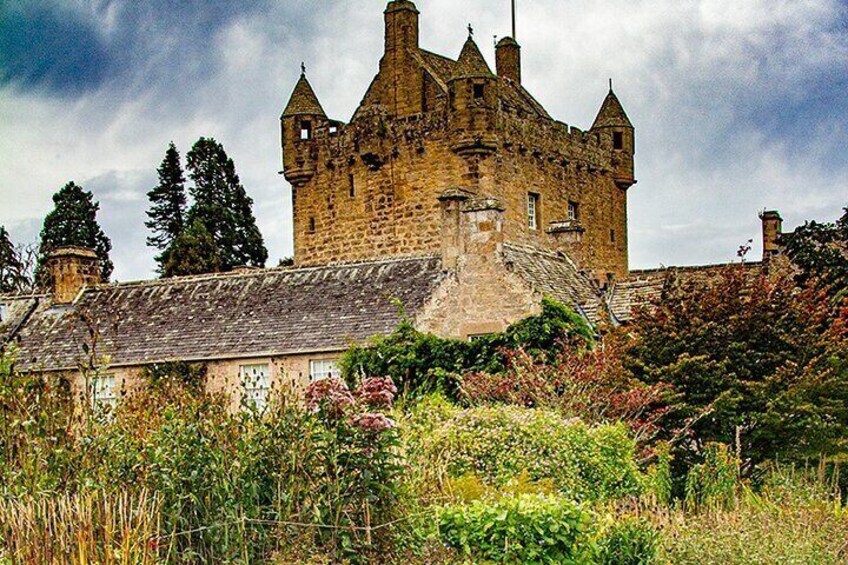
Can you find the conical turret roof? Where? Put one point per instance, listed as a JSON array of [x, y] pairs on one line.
[[471, 62], [303, 101], [612, 113]]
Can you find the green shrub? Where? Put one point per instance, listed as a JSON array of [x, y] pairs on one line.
[[530, 529], [499, 444], [422, 363], [629, 542]]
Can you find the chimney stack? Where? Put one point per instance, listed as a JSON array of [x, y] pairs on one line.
[[772, 229], [70, 270], [401, 26], [508, 59]]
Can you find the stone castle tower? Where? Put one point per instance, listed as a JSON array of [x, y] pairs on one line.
[[433, 135]]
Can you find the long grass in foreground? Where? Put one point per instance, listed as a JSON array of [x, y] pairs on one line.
[[91, 528]]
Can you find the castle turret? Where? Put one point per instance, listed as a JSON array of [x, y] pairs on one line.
[[301, 119], [508, 59], [618, 134], [473, 102]]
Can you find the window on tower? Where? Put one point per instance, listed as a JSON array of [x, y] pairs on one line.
[[479, 91], [312, 224], [351, 185], [573, 211], [618, 140], [305, 130], [532, 210]]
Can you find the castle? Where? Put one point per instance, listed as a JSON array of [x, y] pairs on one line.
[[433, 135], [451, 192]]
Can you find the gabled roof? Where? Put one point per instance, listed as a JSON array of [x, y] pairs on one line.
[[471, 62], [555, 275], [230, 316], [303, 101], [644, 287], [612, 113]]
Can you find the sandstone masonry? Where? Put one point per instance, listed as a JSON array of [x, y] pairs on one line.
[[430, 125]]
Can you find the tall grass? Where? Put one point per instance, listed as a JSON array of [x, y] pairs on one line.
[[84, 529]]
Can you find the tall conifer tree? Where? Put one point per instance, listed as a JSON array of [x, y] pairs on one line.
[[167, 204], [12, 270], [222, 205], [73, 221]]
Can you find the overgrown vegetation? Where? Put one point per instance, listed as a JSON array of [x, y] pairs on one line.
[[711, 431]]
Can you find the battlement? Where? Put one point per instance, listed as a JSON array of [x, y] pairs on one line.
[[370, 187]]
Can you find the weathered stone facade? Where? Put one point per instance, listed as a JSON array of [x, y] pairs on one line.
[[428, 124]]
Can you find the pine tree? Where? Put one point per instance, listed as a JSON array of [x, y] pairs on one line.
[[12, 269], [222, 205], [193, 252], [73, 221], [167, 204]]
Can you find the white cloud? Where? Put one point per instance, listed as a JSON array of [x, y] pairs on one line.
[[694, 75]]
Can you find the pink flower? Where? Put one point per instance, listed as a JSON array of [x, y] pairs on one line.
[[330, 396], [377, 392], [375, 423]]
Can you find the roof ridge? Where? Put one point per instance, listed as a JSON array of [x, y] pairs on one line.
[[257, 272]]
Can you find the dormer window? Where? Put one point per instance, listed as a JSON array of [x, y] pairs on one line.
[[305, 130], [479, 91], [617, 140], [573, 211]]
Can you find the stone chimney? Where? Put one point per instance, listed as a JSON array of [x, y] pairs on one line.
[[70, 270], [401, 25], [481, 230], [508, 59], [772, 230]]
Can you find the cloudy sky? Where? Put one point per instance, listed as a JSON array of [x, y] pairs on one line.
[[739, 105]]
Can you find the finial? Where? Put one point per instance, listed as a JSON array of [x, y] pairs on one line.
[[302, 69], [610, 85], [470, 31]]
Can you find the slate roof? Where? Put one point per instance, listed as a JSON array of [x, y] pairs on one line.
[[471, 62], [643, 287], [612, 113], [16, 311], [554, 275], [304, 101], [230, 316]]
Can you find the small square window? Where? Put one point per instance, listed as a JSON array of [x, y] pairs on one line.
[[479, 91], [618, 140], [573, 211], [305, 130], [255, 385], [478, 337], [103, 392], [532, 210], [321, 369], [334, 130]]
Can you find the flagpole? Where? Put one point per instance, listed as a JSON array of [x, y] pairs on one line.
[[513, 20]]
